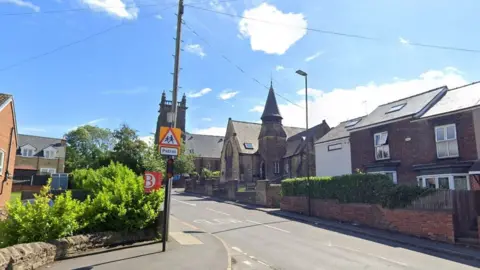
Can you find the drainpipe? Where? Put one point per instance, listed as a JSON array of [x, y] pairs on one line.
[[7, 173]]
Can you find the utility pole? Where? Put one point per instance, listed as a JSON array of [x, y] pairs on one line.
[[173, 123]]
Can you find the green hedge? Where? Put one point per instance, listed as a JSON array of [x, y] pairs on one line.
[[355, 188]]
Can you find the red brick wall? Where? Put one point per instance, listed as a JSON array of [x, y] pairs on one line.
[[428, 224], [19, 188], [420, 149], [7, 122], [475, 182]]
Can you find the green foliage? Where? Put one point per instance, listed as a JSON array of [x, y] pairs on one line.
[[39, 221], [215, 173], [129, 149], [355, 188], [185, 162]]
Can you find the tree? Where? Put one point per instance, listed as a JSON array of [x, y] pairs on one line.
[[185, 162], [129, 149], [88, 147]]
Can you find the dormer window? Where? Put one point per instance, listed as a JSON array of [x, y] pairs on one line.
[[397, 107], [248, 146], [50, 152], [27, 150]]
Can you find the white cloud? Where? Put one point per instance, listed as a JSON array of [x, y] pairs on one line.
[[403, 41], [91, 123], [227, 94], [257, 109], [195, 49], [200, 93], [342, 104], [22, 3], [219, 131], [313, 56], [159, 16], [279, 67], [147, 139], [273, 37], [207, 119], [122, 9]]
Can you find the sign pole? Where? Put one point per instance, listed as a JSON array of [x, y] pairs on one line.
[[166, 203]]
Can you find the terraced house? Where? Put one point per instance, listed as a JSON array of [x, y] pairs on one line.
[[8, 145], [431, 139]]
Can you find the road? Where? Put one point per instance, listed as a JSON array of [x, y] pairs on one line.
[[258, 240]]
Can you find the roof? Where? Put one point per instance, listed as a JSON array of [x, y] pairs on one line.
[[208, 146], [464, 97], [247, 132], [41, 143], [271, 111], [340, 131], [412, 105], [4, 98], [296, 143]]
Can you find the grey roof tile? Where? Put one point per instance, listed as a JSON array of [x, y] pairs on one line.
[[340, 131], [4, 98], [247, 132], [271, 111], [208, 146], [41, 143], [413, 105], [456, 99]]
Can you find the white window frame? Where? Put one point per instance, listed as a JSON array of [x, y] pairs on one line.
[[421, 180], [382, 145], [335, 146], [2, 161], [445, 140], [26, 149], [50, 155], [394, 173], [48, 170], [276, 167]]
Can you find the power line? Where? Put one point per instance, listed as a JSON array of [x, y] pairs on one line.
[[64, 46], [235, 65], [433, 46], [88, 8]]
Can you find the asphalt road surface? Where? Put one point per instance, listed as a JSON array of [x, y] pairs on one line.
[[258, 240]]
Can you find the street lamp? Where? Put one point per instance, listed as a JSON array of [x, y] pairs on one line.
[[305, 75]]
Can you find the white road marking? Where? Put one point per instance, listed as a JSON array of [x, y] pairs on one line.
[[237, 249], [373, 255], [263, 263], [191, 204], [219, 212], [189, 225], [252, 257], [268, 226], [247, 263]]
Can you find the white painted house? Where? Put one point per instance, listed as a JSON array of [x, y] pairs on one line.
[[332, 151]]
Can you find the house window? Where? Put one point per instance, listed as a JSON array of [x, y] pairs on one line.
[[445, 181], [27, 152], [392, 175], [48, 170], [382, 150], [446, 139], [276, 167], [352, 122], [396, 107], [248, 146], [2, 161], [334, 147], [190, 151], [49, 153], [286, 168]]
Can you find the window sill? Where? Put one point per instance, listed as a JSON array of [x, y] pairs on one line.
[[449, 157], [383, 159]]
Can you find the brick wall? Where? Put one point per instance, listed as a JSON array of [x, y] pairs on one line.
[[19, 188], [420, 149], [428, 224], [7, 122], [39, 162]]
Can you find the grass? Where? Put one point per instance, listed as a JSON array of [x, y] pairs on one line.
[[242, 189], [15, 195]]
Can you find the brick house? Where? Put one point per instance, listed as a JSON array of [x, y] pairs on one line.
[[39, 155], [426, 139], [8, 145]]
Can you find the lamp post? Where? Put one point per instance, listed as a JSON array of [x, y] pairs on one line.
[[305, 75]]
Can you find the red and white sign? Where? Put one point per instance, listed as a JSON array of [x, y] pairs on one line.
[[152, 181]]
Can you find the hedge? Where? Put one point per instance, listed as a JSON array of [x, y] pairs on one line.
[[355, 188]]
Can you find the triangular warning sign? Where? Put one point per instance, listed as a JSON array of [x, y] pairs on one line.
[[169, 139]]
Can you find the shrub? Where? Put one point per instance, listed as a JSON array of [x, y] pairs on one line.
[[119, 202], [355, 188], [41, 221], [216, 174]]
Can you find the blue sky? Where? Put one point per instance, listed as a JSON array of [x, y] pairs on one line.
[[118, 76]]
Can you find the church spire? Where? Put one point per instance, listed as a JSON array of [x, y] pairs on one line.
[[271, 111]]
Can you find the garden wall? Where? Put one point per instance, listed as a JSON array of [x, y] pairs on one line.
[[436, 225]]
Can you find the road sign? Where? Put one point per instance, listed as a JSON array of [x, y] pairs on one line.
[[169, 151], [170, 137], [152, 181]]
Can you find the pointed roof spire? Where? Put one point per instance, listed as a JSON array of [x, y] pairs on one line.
[[271, 111]]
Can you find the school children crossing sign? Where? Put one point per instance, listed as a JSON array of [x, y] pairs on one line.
[[169, 141]]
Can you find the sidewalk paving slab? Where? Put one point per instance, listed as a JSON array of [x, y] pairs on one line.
[[459, 251]]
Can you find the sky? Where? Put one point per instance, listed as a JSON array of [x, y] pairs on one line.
[[106, 62]]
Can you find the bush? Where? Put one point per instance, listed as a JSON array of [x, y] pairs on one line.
[[355, 188], [39, 221]]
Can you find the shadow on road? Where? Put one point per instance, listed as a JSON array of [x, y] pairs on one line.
[[114, 261]]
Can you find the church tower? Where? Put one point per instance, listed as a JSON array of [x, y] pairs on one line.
[[272, 140], [165, 107]]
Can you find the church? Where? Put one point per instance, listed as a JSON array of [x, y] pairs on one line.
[[251, 151]]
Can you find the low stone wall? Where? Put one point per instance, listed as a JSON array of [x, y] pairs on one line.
[[274, 195], [436, 225], [35, 255], [246, 197]]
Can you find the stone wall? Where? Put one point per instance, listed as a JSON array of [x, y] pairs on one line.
[[274, 195], [246, 197], [38, 254], [428, 224]]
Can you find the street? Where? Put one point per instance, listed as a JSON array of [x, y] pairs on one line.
[[258, 240]]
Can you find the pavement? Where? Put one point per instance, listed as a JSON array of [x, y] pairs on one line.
[[262, 239], [186, 249]]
